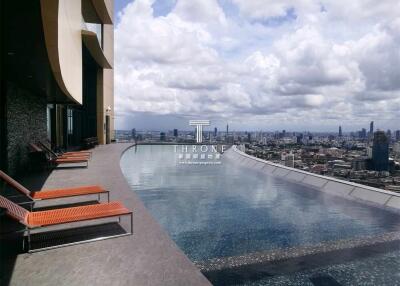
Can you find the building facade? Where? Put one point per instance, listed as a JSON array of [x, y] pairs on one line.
[[56, 75], [380, 151]]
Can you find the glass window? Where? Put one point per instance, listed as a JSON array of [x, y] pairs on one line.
[[70, 121], [98, 29], [48, 115]]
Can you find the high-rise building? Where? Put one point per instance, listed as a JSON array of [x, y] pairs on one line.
[[299, 138], [369, 152], [380, 151], [162, 136], [58, 58], [289, 160], [340, 131], [359, 164], [264, 140], [397, 135], [389, 134], [396, 149], [362, 133], [227, 129], [175, 133], [215, 131], [134, 134], [371, 128]]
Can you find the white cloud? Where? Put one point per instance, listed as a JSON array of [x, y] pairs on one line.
[[203, 11], [349, 11], [198, 62], [261, 9], [378, 56], [141, 38]]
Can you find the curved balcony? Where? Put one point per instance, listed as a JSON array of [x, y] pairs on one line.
[[98, 11], [61, 22], [91, 41]]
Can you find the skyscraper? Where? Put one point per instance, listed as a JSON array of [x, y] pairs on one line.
[[371, 128], [215, 131], [363, 133], [340, 131], [397, 136], [389, 134], [289, 160], [227, 129], [175, 132], [380, 151], [134, 134], [162, 136]]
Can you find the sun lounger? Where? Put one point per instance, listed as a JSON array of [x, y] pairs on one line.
[[55, 159], [54, 155], [54, 193], [42, 219], [65, 154]]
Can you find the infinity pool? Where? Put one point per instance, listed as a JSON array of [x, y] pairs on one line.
[[226, 210]]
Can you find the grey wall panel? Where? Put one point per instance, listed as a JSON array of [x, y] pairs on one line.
[[268, 168], [295, 176], [368, 195], [259, 165], [336, 188], [280, 172], [315, 181], [255, 165], [237, 159], [394, 202], [248, 162]]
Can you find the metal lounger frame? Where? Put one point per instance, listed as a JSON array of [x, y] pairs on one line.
[[27, 234]]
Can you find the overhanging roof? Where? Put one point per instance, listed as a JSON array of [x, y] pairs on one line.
[[91, 42], [97, 11]]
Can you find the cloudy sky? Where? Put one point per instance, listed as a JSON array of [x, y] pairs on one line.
[[257, 64]]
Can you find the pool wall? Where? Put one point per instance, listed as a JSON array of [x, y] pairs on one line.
[[383, 198]]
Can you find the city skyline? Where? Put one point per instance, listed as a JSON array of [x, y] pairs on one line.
[[257, 64], [222, 129]]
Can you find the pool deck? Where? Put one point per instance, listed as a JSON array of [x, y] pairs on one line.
[[149, 257]]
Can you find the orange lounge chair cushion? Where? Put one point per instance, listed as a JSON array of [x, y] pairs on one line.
[[73, 156], [70, 160], [74, 214], [77, 153], [66, 192]]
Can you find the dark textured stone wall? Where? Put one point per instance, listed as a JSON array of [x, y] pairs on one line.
[[26, 122]]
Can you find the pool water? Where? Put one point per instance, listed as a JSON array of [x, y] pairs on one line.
[[225, 210]]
